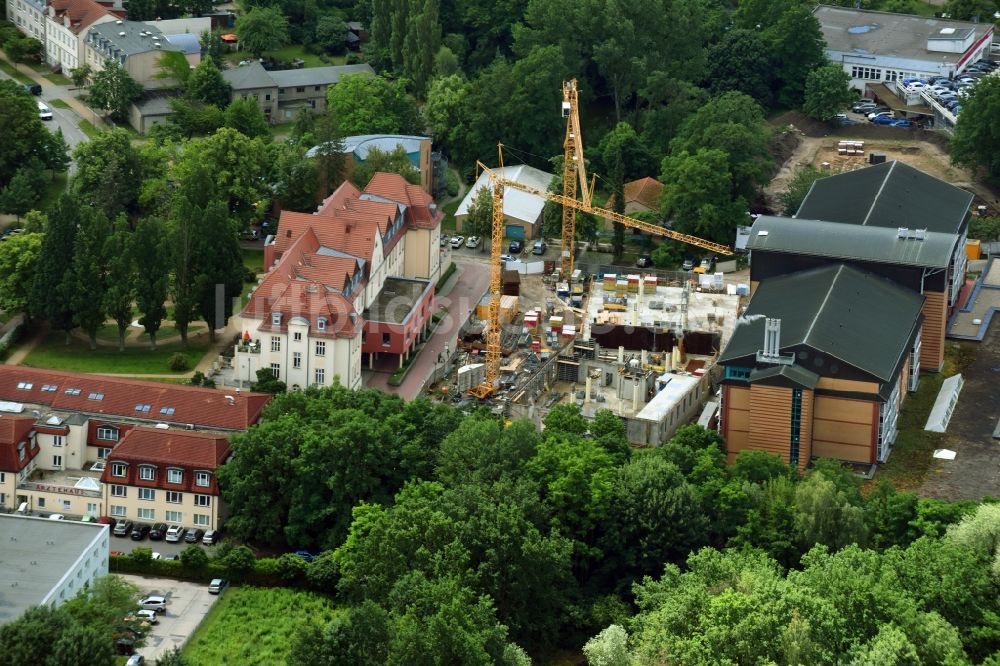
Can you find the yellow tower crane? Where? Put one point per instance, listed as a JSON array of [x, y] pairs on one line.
[[574, 172]]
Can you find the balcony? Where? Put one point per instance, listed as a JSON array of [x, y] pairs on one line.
[[252, 347]]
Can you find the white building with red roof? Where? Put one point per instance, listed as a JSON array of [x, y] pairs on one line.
[[66, 27], [345, 284], [59, 430]]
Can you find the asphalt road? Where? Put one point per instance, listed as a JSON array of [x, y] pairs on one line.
[[164, 548], [187, 605], [65, 119]]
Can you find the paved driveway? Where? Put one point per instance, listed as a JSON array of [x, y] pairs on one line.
[[187, 605]]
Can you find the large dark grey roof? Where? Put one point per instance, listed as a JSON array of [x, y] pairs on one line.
[[126, 38], [892, 194], [318, 76], [248, 77], [849, 241], [862, 319], [794, 373]]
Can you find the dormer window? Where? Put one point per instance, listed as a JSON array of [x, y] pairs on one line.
[[321, 324], [276, 319], [147, 472], [118, 469]]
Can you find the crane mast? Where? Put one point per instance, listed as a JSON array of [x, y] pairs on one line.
[[574, 175]]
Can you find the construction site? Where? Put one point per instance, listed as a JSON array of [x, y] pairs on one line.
[[642, 345]]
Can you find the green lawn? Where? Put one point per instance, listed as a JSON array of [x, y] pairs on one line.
[[16, 74], [251, 626], [448, 223], [53, 353], [88, 128], [254, 259], [58, 103], [58, 79]]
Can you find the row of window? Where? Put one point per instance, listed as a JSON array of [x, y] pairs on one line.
[[276, 321], [198, 519], [276, 345], [876, 74], [320, 373], [148, 473], [149, 494]]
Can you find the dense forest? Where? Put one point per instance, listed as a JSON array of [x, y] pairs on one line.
[[464, 539]]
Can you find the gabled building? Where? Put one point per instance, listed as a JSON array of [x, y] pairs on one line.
[[66, 25], [891, 220], [819, 366], [165, 475], [281, 93], [59, 429], [522, 211], [29, 17], [351, 281]]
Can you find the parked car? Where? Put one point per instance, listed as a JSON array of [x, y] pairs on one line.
[[157, 531], [211, 538], [516, 247], [688, 264], [109, 521], [504, 258], [56, 516], [887, 119], [305, 555], [911, 80], [175, 533], [173, 557], [644, 261], [250, 235], [217, 586], [123, 528], [154, 602], [33, 89], [156, 556], [456, 241], [444, 240], [136, 660], [707, 264], [44, 112], [860, 107], [539, 247], [139, 532], [118, 553], [843, 120], [903, 123], [147, 615], [194, 535], [876, 114], [473, 242]]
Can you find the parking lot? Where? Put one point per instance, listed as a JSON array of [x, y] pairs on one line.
[[187, 605], [164, 548]]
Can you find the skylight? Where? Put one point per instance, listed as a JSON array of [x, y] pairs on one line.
[[142, 408], [72, 391], [49, 388], [167, 410], [95, 396], [24, 386]]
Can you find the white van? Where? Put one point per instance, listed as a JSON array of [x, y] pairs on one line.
[[44, 112]]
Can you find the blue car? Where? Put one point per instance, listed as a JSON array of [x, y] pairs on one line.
[[902, 123], [884, 120], [305, 555]]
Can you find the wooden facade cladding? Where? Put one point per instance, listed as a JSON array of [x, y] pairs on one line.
[[735, 419], [770, 419], [846, 385], [843, 428], [935, 313]]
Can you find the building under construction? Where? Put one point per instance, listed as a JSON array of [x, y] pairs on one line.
[[642, 346]]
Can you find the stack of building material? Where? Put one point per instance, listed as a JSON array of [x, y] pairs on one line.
[[633, 284], [649, 284]]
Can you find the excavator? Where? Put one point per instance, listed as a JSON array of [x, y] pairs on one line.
[[574, 174]]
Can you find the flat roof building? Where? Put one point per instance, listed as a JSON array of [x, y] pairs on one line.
[[877, 47], [46, 562]]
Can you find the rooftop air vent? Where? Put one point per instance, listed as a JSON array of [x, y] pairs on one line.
[[902, 232]]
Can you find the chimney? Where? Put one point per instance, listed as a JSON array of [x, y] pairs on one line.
[[772, 337]]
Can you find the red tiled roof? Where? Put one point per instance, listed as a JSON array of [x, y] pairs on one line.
[[645, 191], [189, 451], [418, 202], [205, 408], [14, 430], [81, 13]]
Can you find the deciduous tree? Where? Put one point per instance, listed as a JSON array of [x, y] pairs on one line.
[[88, 270], [394, 161], [19, 261], [51, 295], [826, 92], [262, 29], [206, 85], [121, 278], [113, 90], [976, 142], [244, 116], [150, 251], [373, 105]]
